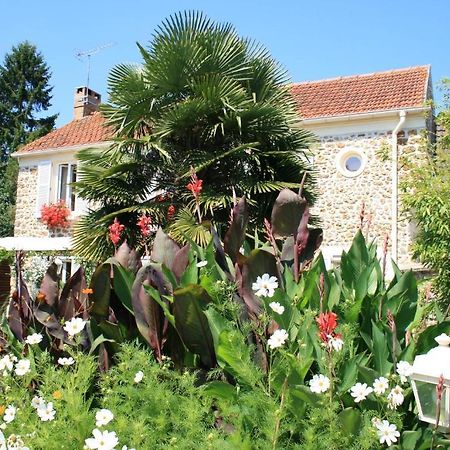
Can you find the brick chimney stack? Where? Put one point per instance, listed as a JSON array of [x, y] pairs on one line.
[[86, 102]]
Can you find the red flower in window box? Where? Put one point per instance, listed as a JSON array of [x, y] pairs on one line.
[[55, 215]]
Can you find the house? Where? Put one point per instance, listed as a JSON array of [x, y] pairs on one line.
[[366, 126]]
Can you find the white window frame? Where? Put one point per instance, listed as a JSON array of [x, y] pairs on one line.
[[71, 167], [342, 158]]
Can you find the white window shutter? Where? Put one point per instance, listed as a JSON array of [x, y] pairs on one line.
[[43, 185]]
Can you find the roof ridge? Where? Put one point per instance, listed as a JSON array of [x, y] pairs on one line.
[[362, 75]]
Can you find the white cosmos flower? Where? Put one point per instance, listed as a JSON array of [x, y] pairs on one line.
[[405, 370], [275, 306], [278, 338], [335, 343], [319, 384], [22, 367], [9, 414], [139, 376], [201, 264], [360, 391], [387, 432], [395, 397], [66, 361], [380, 385], [103, 417], [102, 440], [34, 338], [74, 326], [15, 442], [37, 402], [265, 285], [126, 448], [46, 412], [7, 363]]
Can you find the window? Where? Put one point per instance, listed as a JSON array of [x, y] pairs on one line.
[[351, 163], [67, 175]]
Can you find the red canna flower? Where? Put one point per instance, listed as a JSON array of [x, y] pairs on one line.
[[115, 231], [195, 186], [170, 212], [144, 224], [327, 324]]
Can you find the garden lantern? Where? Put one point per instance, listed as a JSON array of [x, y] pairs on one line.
[[427, 370]]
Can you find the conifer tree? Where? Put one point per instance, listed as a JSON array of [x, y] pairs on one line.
[[25, 93]]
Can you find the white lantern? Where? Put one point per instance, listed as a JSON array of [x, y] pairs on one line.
[[427, 369]]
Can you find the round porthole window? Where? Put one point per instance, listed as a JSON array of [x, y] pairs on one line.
[[351, 162]]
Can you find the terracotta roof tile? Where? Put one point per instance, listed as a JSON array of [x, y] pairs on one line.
[[88, 130], [395, 89], [402, 88]]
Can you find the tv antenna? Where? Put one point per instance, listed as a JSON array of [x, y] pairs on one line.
[[87, 54]]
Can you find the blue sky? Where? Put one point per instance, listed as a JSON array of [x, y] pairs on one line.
[[313, 39]]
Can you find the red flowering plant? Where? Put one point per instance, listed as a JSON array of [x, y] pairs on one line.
[[327, 323], [55, 215], [144, 223], [196, 186], [116, 230], [171, 212]]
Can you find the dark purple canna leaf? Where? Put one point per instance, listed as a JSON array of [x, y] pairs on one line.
[[164, 249], [303, 231], [128, 258], [219, 256], [50, 285], [181, 261], [258, 263], [101, 286], [235, 235], [315, 238], [15, 320], [314, 241], [149, 316], [73, 301], [45, 316], [287, 212]]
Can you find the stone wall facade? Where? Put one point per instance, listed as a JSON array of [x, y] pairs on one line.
[[26, 222], [341, 197]]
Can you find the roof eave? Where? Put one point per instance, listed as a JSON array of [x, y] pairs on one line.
[[54, 150], [365, 115]]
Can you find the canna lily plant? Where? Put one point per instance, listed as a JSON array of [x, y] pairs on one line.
[[264, 323]]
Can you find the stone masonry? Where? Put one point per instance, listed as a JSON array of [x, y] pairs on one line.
[[26, 222], [340, 197]]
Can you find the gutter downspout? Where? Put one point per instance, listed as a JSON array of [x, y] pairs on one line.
[[394, 206]]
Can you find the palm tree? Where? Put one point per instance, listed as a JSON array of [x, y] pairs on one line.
[[203, 101]]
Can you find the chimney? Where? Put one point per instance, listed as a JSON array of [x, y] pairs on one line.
[[86, 102]]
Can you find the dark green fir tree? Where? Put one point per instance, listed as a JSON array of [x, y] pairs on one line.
[[25, 95]]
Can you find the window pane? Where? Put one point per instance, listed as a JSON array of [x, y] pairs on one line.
[[63, 171], [353, 163], [427, 396]]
